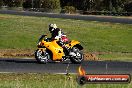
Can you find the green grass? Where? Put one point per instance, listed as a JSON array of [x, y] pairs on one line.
[[22, 32], [48, 81], [116, 56]]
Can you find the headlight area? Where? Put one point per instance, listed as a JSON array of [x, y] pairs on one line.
[[40, 45]]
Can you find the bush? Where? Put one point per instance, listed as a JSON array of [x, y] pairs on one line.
[[50, 5], [27, 4], [15, 3], [128, 7], [69, 9], [1, 3]]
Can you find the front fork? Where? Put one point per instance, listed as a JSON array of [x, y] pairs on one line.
[[42, 49]]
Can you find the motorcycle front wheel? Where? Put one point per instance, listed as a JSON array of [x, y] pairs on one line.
[[42, 56]]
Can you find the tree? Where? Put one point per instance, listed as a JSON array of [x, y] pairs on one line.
[[97, 5], [68, 3], [50, 5], [1, 3], [69, 9], [114, 5], [13, 3], [27, 4], [128, 6]]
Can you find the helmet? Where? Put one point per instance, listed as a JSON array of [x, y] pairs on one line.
[[52, 27]]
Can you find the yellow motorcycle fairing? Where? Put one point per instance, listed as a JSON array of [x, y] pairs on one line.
[[56, 50], [72, 43]]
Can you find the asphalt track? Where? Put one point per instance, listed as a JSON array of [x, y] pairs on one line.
[[77, 17], [31, 66]]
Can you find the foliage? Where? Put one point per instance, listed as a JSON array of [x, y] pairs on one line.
[[97, 5], [27, 4], [13, 3], [69, 9], [1, 3], [85, 5], [128, 6], [49, 5]]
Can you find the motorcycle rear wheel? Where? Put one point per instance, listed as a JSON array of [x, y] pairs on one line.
[[42, 56]]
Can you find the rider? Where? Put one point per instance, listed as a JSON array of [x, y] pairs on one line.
[[56, 33]]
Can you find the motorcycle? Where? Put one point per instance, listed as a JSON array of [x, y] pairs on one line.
[[52, 50]]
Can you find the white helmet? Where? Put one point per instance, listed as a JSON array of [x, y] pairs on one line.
[[52, 27]]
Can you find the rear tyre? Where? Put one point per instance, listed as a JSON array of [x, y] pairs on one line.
[[78, 57], [42, 56]]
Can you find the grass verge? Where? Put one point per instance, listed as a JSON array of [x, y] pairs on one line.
[[22, 32], [15, 80], [116, 56]]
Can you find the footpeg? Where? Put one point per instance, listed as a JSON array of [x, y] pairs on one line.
[[65, 58]]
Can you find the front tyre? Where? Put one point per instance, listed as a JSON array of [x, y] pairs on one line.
[[42, 56], [77, 55]]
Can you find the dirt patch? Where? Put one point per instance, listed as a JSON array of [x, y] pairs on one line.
[[28, 53], [3, 17], [5, 53], [90, 56]]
